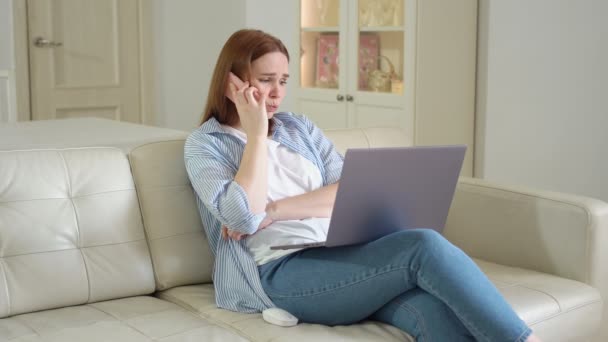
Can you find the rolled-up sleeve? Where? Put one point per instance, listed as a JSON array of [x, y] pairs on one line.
[[332, 160], [212, 178]]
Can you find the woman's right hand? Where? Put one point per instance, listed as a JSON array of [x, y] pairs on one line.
[[251, 107]]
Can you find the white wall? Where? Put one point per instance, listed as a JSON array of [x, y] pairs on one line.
[[188, 37], [6, 35], [7, 99], [542, 98]]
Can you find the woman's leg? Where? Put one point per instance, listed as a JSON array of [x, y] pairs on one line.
[[424, 317], [344, 285]]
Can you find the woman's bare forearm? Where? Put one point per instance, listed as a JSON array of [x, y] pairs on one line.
[[252, 175], [317, 203]]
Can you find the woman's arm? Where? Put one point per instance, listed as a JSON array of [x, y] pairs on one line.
[[252, 173], [317, 203]]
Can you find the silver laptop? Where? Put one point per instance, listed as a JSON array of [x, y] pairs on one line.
[[384, 190]]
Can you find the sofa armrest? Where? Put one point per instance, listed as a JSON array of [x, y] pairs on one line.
[[555, 233]]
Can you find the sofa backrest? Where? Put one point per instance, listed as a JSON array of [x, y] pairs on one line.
[[70, 230], [179, 248]]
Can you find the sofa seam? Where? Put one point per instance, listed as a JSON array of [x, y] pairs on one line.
[[66, 198], [8, 298], [559, 306], [24, 322], [120, 320], [578, 307], [175, 235], [366, 136], [156, 142], [77, 219], [72, 249], [208, 317], [60, 149], [140, 205]]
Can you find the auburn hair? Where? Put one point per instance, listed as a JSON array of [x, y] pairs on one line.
[[240, 50]]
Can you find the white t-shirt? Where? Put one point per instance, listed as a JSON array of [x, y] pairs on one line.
[[289, 174]]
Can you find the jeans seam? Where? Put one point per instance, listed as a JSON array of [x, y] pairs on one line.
[[420, 323], [322, 292], [459, 314]]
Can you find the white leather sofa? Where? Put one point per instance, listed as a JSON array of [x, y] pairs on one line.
[[105, 244]]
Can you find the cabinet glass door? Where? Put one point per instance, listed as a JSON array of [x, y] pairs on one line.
[[381, 39], [320, 37]]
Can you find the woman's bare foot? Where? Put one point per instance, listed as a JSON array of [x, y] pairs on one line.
[[533, 338]]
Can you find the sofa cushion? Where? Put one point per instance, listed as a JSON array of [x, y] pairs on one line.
[[70, 230], [200, 299], [179, 248], [556, 308], [130, 320]]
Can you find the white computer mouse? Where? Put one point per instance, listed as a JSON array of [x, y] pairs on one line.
[[279, 317]]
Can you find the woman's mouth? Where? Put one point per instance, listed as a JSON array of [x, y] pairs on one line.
[[271, 108]]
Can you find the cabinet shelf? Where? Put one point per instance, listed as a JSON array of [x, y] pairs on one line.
[[321, 29], [381, 29], [420, 61]]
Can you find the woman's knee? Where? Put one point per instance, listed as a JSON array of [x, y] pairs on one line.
[[423, 236]]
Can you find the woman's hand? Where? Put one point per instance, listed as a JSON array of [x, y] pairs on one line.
[[228, 233], [251, 107], [232, 234]]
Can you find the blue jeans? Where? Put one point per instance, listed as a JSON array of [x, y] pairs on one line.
[[415, 280]]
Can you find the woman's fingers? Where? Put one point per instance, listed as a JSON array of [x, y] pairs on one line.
[[249, 95], [231, 234], [240, 96], [231, 91], [235, 79]]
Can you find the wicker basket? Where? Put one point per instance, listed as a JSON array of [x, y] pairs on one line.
[[379, 80]]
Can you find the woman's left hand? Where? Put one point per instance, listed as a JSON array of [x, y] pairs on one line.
[[232, 234], [228, 233]]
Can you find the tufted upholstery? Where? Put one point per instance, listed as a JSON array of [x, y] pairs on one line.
[[134, 319], [71, 231]]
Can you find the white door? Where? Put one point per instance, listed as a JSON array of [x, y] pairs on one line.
[[85, 59]]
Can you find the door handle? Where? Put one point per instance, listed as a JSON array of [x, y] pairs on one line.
[[45, 43], [349, 98], [340, 97]]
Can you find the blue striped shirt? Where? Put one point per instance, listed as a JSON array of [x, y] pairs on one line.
[[212, 159]]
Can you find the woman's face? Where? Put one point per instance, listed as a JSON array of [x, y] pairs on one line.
[[269, 75]]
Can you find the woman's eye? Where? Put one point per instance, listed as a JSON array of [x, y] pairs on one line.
[[265, 80], [283, 82]]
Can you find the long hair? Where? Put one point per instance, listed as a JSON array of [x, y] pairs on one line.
[[240, 50]]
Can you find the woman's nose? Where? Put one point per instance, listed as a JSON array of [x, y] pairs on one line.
[[274, 91]]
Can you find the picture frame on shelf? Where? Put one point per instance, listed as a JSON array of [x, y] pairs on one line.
[[327, 61], [369, 50], [327, 69]]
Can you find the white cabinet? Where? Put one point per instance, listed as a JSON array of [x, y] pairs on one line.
[[378, 63]]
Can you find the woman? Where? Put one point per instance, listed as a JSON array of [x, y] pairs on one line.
[[263, 178]]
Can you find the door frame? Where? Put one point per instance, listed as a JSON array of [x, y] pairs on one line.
[[146, 61]]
